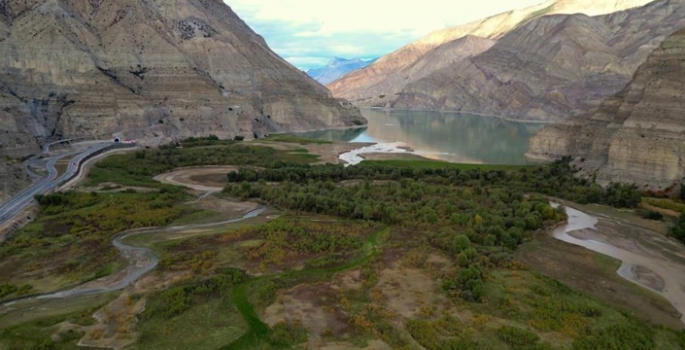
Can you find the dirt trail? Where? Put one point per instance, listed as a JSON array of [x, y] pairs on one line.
[[205, 179]]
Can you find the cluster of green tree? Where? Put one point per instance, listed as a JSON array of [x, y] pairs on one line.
[[555, 180], [211, 140], [479, 226], [176, 300], [500, 216], [138, 169], [469, 282]]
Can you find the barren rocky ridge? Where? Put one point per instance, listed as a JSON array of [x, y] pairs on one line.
[[636, 135]]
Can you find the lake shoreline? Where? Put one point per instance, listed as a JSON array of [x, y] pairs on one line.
[[450, 137], [523, 121]]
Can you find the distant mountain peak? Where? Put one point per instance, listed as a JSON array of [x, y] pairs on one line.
[[336, 68]]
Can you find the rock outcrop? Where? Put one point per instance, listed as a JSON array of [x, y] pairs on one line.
[[550, 68], [13, 178], [336, 68], [638, 135], [363, 87], [147, 69]]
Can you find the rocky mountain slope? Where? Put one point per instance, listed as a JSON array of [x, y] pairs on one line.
[[147, 69], [354, 86], [636, 135], [385, 89], [550, 68], [336, 68]]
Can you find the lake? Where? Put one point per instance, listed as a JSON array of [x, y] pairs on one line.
[[453, 137]]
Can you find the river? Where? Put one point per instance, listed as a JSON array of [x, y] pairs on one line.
[[453, 137], [648, 258]]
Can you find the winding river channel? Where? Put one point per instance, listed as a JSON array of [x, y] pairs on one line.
[[648, 258], [141, 261]]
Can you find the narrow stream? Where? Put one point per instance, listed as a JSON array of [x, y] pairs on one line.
[[141, 261], [659, 269]]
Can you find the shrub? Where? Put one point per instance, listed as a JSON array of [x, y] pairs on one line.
[[517, 338], [652, 215]]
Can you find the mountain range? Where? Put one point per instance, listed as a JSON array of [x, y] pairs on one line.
[[152, 70], [336, 68], [391, 81]]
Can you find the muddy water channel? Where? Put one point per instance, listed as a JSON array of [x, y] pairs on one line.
[[648, 258]]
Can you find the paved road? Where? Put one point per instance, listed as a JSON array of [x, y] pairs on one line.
[[22, 200]]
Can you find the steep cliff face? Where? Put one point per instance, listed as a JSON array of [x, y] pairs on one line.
[[147, 69], [551, 67], [636, 135], [364, 86]]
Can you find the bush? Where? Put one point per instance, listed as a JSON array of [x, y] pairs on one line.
[[678, 231], [652, 215], [517, 338], [7, 289]]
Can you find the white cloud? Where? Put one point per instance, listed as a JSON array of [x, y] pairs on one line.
[[365, 28]]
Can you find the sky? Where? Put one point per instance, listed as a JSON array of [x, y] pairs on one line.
[[308, 33]]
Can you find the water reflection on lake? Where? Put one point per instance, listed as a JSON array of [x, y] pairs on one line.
[[453, 137]]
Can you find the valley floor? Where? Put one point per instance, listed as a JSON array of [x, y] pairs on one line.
[[426, 256]]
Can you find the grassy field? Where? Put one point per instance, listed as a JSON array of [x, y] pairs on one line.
[[207, 326], [139, 168], [673, 208], [436, 164], [296, 139], [36, 325], [595, 275]]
